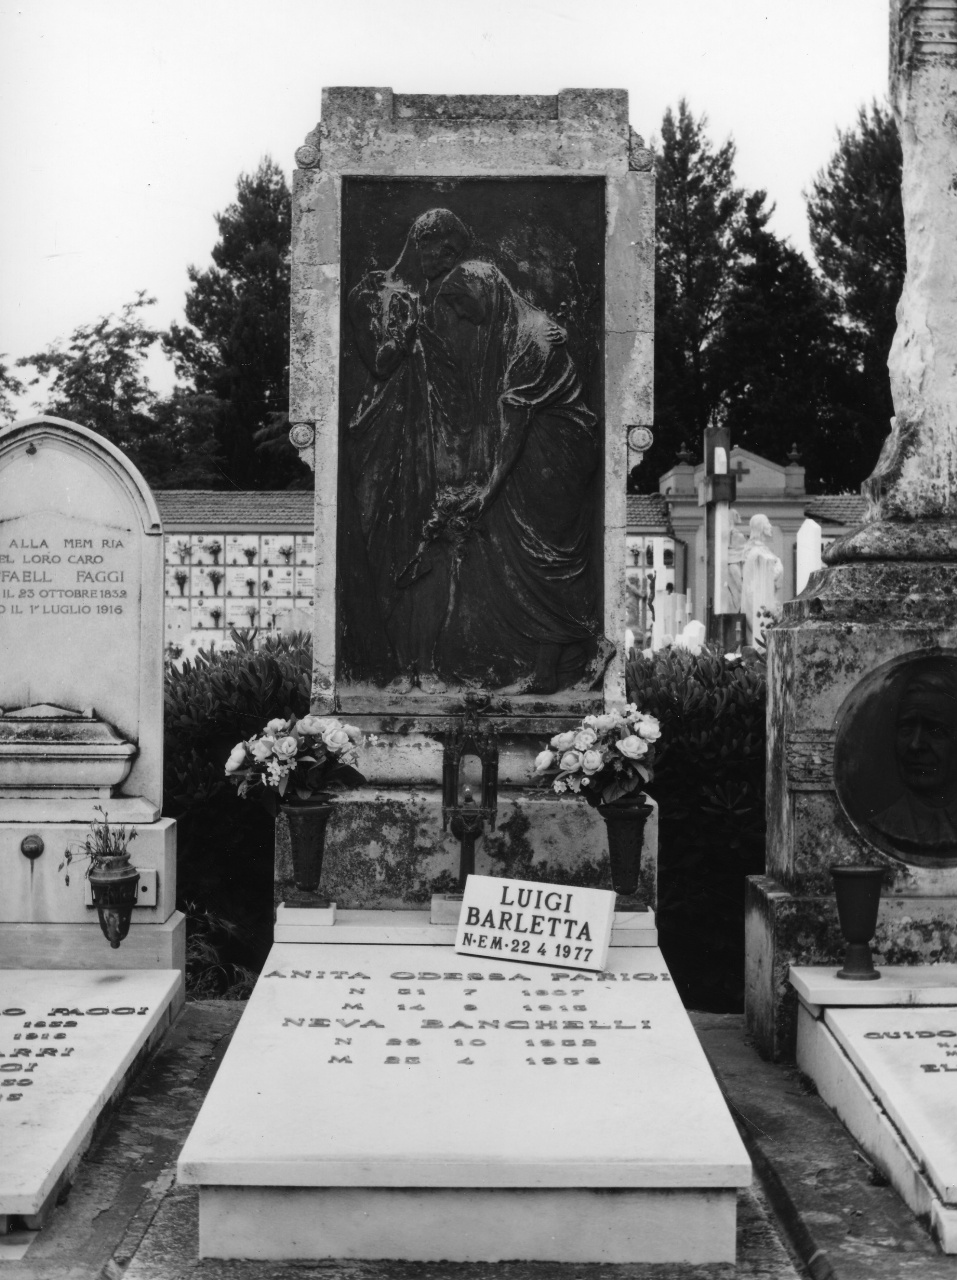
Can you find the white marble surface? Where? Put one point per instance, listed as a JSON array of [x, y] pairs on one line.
[[82, 549], [631, 928], [908, 1058], [534, 923], [410, 1066], [470, 1225], [900, 985], [67, 1038]]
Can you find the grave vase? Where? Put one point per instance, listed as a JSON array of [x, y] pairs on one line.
[[115, 885], [625, 823], [307, 821]]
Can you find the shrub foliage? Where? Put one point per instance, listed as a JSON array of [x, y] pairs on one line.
[[225, 845], [709, 784]]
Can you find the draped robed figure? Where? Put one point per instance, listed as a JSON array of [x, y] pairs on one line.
[[471, 461]]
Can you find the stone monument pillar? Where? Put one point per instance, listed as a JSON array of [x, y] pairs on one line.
[[472, 330], [862, 674]]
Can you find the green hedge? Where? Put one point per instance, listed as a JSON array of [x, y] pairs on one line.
[[709, 784], [225, 845]]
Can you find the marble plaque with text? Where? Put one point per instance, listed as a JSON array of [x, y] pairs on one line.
[[533, 923]]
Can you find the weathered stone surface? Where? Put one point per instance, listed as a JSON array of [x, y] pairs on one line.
[[387, 848], [784, 927], [916, 475]]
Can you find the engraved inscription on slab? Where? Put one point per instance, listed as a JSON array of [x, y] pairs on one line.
[[471, 452], [909, 1059], [895, 760]]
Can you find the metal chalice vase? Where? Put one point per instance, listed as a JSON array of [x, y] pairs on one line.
[[858, 893]]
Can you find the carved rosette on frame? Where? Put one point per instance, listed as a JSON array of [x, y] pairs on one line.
[[302, 435]]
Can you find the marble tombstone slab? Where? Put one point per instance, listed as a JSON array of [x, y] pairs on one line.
[[81, 695], [69, 1040], [885, 1060], [472, 336], [463, 1108]]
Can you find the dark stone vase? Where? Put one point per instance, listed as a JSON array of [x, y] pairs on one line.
[[625, 823], [858, 893], [307, 841], [114, 883]]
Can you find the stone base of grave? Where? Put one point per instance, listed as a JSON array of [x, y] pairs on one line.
[[83, 946], [70, 1042], [402, 1101], [883, 1056], [386, 847], [785, 928], [467, 1224]]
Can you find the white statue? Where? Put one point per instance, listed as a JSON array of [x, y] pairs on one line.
[[762, 577], [737, 550]]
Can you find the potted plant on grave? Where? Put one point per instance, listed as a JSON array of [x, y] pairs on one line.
[[286, 552], [294, 766], [251, 615], [251, 585], [183, 550], [250, 554], [215, 550], [215, 576], [216, 614], [113, 880], [181, 577], [609, 759]]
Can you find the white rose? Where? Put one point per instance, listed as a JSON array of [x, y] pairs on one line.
[[562, 741], [336, 740], [584, 739], [276, 726], [591, 722], [325, 723], [310, 724], [649, 729], [237, 758], [570, 762], [354, 734], [544, 760], [632, 748], [261, 749], [607, 721], [591, 761], [286, 748]]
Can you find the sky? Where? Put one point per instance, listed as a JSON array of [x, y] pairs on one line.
[[125, 123]]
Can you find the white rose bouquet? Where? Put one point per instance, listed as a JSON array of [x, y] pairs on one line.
[[296, 759], [608, 758]]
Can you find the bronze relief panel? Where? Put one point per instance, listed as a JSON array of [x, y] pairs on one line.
[[895, 759], [469, 528]]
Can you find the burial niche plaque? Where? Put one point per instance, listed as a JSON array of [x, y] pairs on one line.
[[471, 447], [895, 759]]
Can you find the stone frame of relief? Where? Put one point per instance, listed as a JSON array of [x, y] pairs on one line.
[[519, 172]]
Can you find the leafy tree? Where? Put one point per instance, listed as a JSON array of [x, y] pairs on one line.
[[234, 349], [97, 379], [776, 362], [857, 231], [10, 388], [699, 213]]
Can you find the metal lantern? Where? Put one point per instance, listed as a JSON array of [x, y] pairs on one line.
[[115, 886]]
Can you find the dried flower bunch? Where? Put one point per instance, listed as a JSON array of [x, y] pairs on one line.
[[609, 757]]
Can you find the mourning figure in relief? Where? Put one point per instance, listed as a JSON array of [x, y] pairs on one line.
[[471, 459], [924, 818]]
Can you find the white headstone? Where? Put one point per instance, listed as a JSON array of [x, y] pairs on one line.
[[808, 547], [81, 589]]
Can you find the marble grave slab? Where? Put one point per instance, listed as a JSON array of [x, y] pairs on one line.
[[68, 1038], [405, 1101]]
